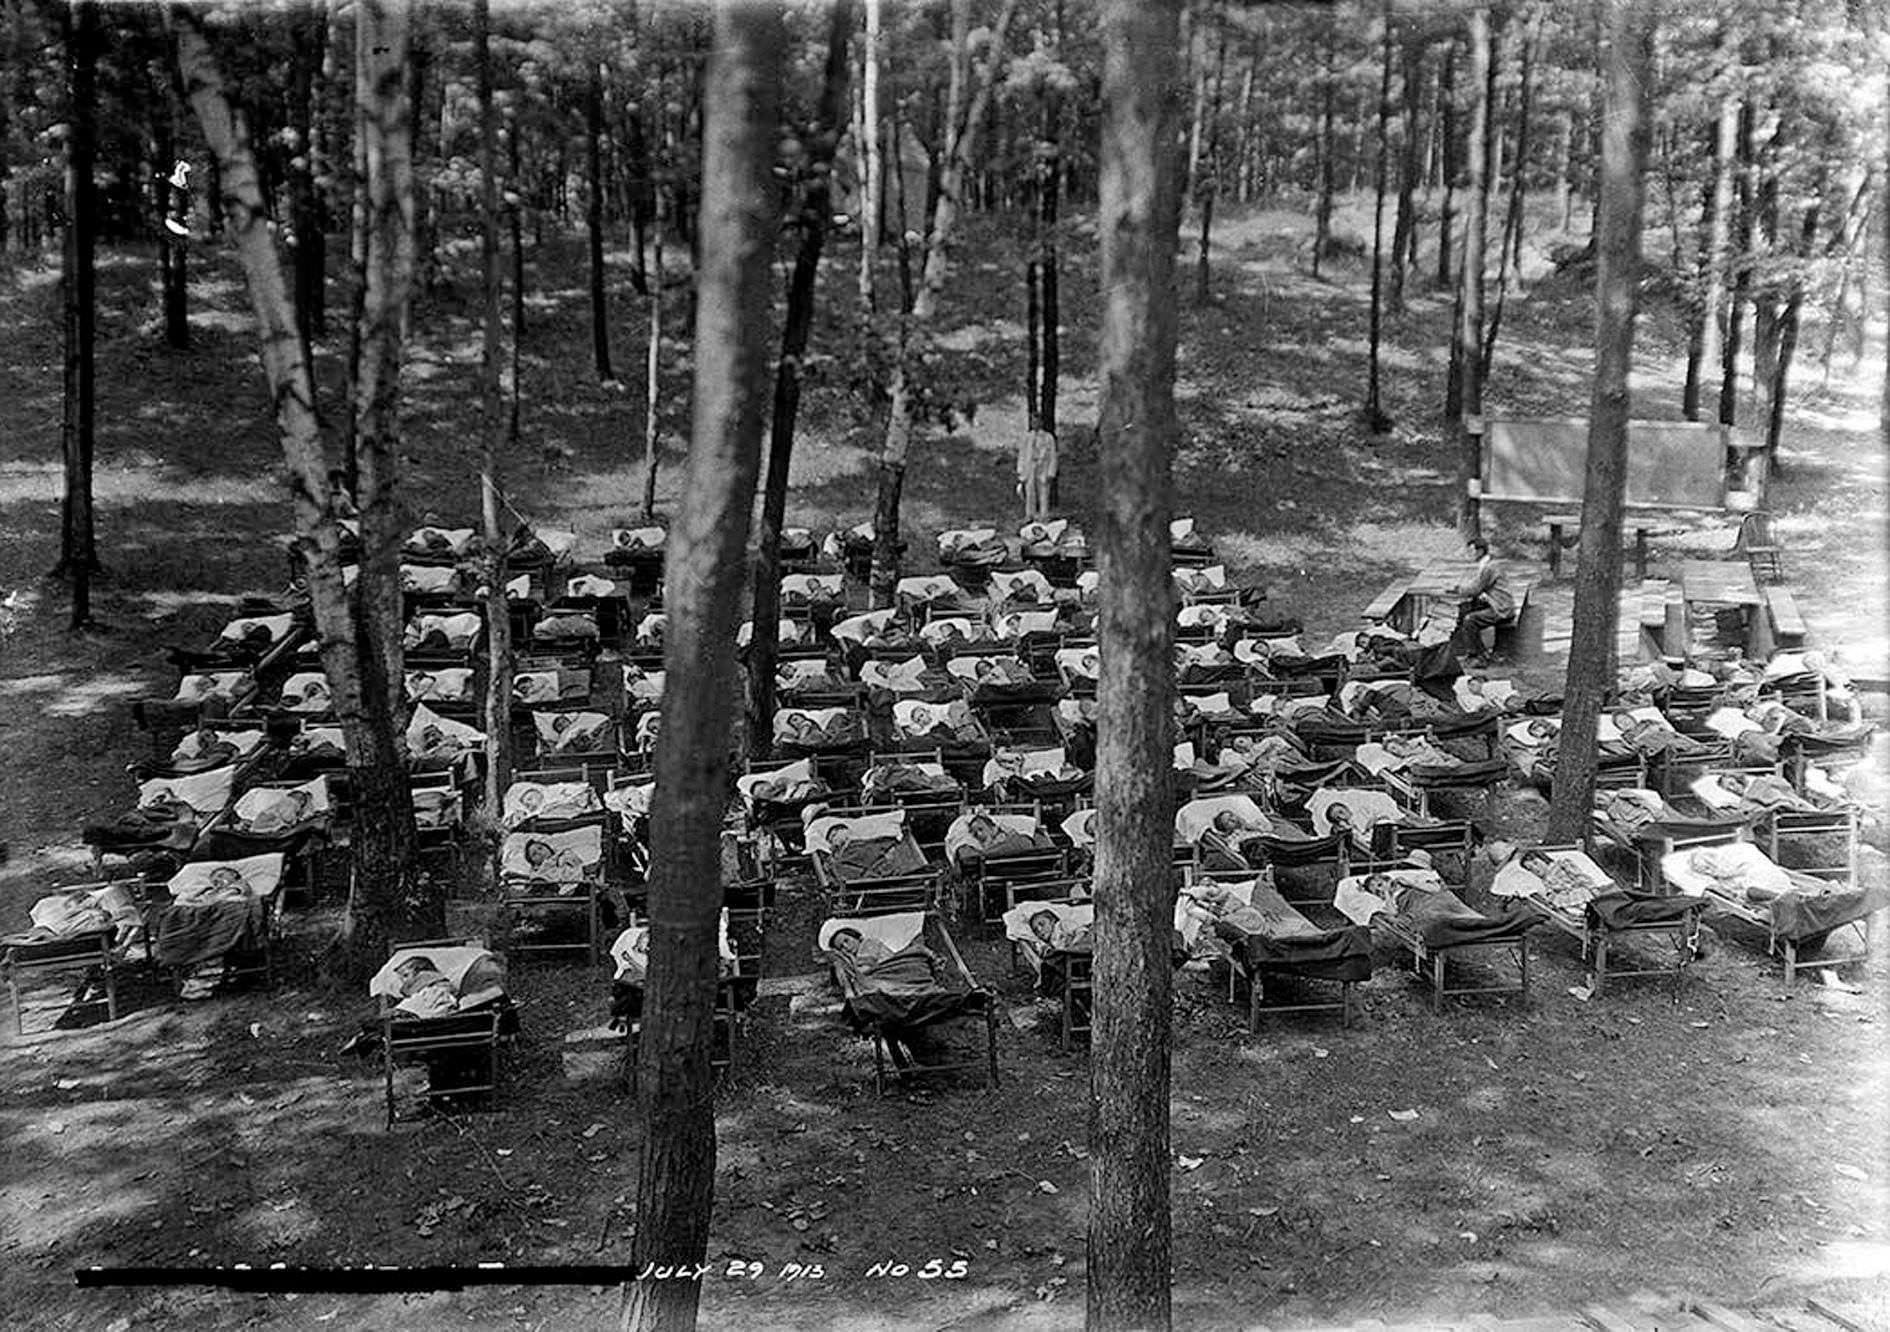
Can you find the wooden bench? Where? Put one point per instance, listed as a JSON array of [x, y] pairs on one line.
[[1788, 625], [1385, 605], [1571, 523]]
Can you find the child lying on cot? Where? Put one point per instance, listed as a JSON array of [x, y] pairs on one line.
[[980, 836], [900, 777], [264, 810], [429, 579], [202, 750], [442, 633], [73, 912], [452, 685], [950, 722], [571, 732], [871, 857], [435, 742], [912, 969], [566, 626], [525, 801], [219, 686]]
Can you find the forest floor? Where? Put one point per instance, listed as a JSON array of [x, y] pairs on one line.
[[1725, 1136]]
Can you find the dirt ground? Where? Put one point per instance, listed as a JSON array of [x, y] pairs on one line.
[[1725, 1136]]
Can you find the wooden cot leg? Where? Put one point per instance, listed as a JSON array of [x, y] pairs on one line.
[[387, 1067], [1791, 961], [111, 989], [1522, 961], [1600, 978], [879, 1065], [1437, 982], [991, 1034], [13, 993]]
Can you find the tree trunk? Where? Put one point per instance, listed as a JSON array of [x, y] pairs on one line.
[[1138, 217], [740, 211], [1591, 664], [1375, 420], [594, 216], [1509, 249], [1050, 189], [357, 271], [955, 154], [173, 206], [78, 550], [1742, 267], [1718, 213], [1464, 393], [1207, 183], [872, 201], [1788, 328], [515, 217], [1765, 302], [1033, 335], [1564, 165], [1448, 159], [653, 372], [1322, 208], [1404, 231], [797, 327], [308, 35], [382, 902], [492, 425]]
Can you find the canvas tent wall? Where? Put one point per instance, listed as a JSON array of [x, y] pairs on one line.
[[1671, 464]]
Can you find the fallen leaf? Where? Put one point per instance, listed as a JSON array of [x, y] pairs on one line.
[[1045, 1186], [1403, 1116], [1262, 1211], [1850, 1172], [593, 1131], [1189, 1162]]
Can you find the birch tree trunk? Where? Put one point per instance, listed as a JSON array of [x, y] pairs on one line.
[[1591, 663], [383, 903], [956, 153], [1138, 218], [1375, 419], [872, 191], [653, 369], [1741, 259], [816, 208], [739, 212], [1404, 231]]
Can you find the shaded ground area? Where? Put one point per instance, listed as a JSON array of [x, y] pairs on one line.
[[1725, 1136]]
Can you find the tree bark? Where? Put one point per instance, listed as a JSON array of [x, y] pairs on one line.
[[308, 35], [1207, 183], [954, 158], [653, 372], [594, 216], [1718, 210], [492, 424], [1789, 319], [796, 329], [1138, 218], [1509, 249], [1328, 135], [1404, 231], [1464, 391], [515, 219], [1375, 420], [78, 551], [1742, 267], [676, 1157], [383, 903], [1448, 159], [172, 205], [872, 200], [1050, 186], [1591, 663]]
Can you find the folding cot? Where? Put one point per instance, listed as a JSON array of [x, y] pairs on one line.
[[1270, 937], [453, 1025], [1420, 915], [88, 928], [900, 976], [1057, 951], [1797, 911], [874, 863], [1579, 898], [552, 871], [990, 846], [216, 921]]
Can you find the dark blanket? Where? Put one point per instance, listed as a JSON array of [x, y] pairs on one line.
[[189, 935], [1441, 920], [234, 844], [1805, 914], [1309, 940], [1623, 910], [911, 988], [1478, 772]]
